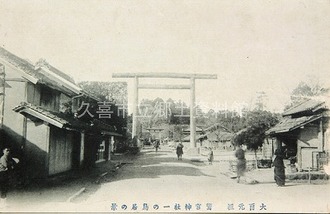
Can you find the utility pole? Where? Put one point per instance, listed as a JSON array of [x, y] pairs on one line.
[[2, 93]]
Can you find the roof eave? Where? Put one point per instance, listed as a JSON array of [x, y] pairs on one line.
[[25, 75], [41, 117], [294, 127]]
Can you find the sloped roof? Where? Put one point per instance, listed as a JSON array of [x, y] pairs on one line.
[[215, 127], [214, 133], [61, 120], [55, 119], [309, 105], [44, 63], [222, 136], [197, 129], [36, 76], [288, 124], [24, 65]]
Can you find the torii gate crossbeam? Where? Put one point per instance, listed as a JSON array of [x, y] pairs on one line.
[[191, 86]]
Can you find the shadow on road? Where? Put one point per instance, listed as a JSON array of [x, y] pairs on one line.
[[148, 164]]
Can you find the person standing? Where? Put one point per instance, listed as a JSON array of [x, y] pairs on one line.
[[6, 166], [279, 169], [241, 163], [210, 156], [179, 151]]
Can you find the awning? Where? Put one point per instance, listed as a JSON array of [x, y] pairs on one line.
[[105, 129], [61, 120], [54, 119], [288, 124]]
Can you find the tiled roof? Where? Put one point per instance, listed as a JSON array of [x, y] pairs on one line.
[[25, 108], [288, 124], [309, 105], [17, 62], [30, 70], [44, 63], [61, 120]]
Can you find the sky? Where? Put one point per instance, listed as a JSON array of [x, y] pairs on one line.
[[252, 46]]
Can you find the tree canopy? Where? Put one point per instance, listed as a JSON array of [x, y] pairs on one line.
[[254, 134], [306, 90], [115, 92], [113, 96]]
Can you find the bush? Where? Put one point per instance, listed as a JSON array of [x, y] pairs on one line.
[[134, 150], [121, 148]]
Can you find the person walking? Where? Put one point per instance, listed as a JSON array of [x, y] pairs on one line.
[[241, 163], [6, 166], [210, 156], [179, 151], [279, 169], [157, 145]]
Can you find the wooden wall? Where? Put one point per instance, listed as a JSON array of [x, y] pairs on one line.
[[308, 144], [36, 149], [60, 150]]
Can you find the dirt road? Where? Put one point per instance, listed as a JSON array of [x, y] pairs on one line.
[[158, 182]]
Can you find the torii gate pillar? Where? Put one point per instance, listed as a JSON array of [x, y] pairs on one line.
[[192, 114], [135, 107]]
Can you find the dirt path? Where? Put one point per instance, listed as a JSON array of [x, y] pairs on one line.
[[163, 183], [159, 182]]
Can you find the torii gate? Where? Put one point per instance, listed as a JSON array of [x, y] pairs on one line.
[[190, 86]]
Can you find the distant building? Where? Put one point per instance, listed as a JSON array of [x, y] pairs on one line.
[[186, 131], [215, 136]]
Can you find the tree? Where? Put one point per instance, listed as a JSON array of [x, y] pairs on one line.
[[254, 134], [260, 101], [113, 94], [307, 90], [179, 113], [110, 91]]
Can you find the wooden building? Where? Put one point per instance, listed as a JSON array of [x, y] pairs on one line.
[[38, 120], [303, 134], [215, 136]]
